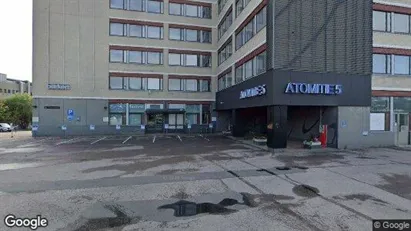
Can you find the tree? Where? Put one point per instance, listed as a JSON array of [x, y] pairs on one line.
[[19, 109], [4, 112]]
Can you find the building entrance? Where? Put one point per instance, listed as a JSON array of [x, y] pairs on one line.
[[155, 123], [403, 128]]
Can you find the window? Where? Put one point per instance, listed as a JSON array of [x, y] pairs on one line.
[[206, 12], [260, 63], [191, 11], [175, 9], [117, 29], [191, 85], [175, 85], [117, 4], [154, 84], [136, 57], [154, 58], [205, 85], [206, 37], [225, 24], [154, 7], [137, 31], [192, 118], [135, 119], [248, 69], [381, 21], [154, 32], [116, 83], [191, 60], [116, 56], [239, 74], [381, 64], [206, 114], [137, 5], [401, 65], [192, 35], [225, 81], [205, 61], [240, 6], [225, 52], [401, 23], [135, 84], [248, 31], [176, 34], [221, 4], [174, 59], [261, 19], [117, 114]]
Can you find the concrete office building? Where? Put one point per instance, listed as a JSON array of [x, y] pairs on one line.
[[132, 62], [9, 87]]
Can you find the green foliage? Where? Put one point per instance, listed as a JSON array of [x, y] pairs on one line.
[[16, 109]]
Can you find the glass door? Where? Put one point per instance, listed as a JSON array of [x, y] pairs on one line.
[[155, 122], [403, 124]]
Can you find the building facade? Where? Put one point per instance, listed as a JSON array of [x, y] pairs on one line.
[[9, 87], [110, 66]]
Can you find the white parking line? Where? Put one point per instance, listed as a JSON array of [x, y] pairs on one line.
[[127, 139], [179, 138], [204, 137], [98, 140], [154, 139], [68, 141]]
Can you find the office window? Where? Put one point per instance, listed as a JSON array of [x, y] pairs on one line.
[[117, 29], [248, 31], [116, 56], [191, 85], [154, 7], [206, 36], [154, 32], [225, 24], [192, 118], [401, 23], [117, 114], [381, 21], [239, 74], [225, 53], [135, 84], [260, 63], [137, 5], [176, 34], [381, 64], [240, 6], [116, 83], [154, 58], [137, 31], [175, 59], [206, 12], [135, 119], [248, 69], [205, 61], [136, 57], [117, 4], [154, 84], [191, 60], [205, 85], [175, 84], [401, 65], [261, 19], [191, 11], [192, 35], [175, 9]]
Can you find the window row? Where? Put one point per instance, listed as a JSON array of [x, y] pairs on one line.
[[251, 68], [391, 22], [150, 6], [382, 104], [225, 24], [221, 4], [240, 6], [225, 81], [391, 64], [251, 29], [126, 114], [197, 85], [132, 83], [189, 60], [189, 35], [8, 91], [225, 53], [136, 57], [189, 10], [139, 31]]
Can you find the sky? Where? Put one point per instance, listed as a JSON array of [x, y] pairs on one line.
[[16, 38]]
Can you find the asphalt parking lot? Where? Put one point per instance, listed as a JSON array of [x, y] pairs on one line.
[[193, 182]]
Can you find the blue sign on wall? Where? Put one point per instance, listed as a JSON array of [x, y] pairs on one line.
[[70, 112], [69, 118], [313, 88]]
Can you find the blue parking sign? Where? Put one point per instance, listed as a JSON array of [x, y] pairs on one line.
[[70, 112]]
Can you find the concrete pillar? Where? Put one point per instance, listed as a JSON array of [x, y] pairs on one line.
[[277, 132]]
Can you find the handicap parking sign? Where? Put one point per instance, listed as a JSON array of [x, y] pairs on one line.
[[143, 127], [34, 127], [118, 127], [210, 125], [70, 112], [92, 127], [69, 118], [189, 126], [63, 127]]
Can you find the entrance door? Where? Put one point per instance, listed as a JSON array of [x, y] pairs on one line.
[[176, 121], [155, 123], [403, 124]]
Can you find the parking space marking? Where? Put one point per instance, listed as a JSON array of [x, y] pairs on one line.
[[127, 139], [154, 139], [204, 138], [98, 140], [67, 141], [179, 138]]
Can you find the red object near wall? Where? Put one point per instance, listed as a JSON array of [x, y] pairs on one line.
[[323, 136]]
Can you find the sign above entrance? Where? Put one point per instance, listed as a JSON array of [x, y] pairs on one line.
[[253, 92], [313, 89]]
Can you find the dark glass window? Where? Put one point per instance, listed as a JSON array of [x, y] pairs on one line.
[[154, 7], [381, 64], [175, 9], [175, 85], [117, 29], [137, 31], [154, 58], [117, 4], [154, 32], [136, 57], [116, 83], [137, 5], [176, 34], [116, 56], [135, 83]]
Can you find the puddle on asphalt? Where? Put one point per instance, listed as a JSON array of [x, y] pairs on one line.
[[305, 191], [283, 168], [300, 167], [185, 208], [17, 166], [361, 197]]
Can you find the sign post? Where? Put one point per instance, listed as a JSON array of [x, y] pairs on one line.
[[64, 128], [189, 128], [166, 128], [34, 129], [211, 127]]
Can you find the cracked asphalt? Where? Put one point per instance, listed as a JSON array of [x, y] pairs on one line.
[[192, 182]]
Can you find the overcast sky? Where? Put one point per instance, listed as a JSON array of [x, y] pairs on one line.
[[16, 38]]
